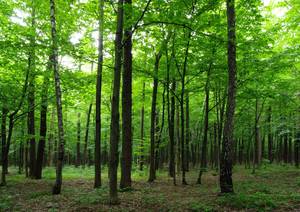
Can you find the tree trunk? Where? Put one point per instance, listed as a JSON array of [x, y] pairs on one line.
[[3, 139], [152, 175], [60, 158], [31, 98], [187, 134], [78, 158], [226, 184], [172, 132], [297, 150], [270, 136], [142, 129], [98, 182], [285, 148], [160, 131], [21, 149], [51, 138], [126, 157], [43, 127], [205, 129], [183, 148], [86, 138], [115, 116]]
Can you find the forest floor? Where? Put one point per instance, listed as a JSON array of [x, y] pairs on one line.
[[271, 188]]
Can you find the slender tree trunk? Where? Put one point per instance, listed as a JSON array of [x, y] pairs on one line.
[[78, 158], [172, 133], [178, 139], [226, 184], [98, 182], [160, 131], [3, 139], [86, 138], [51, 138], [187, 134], [61, 149], [126, 156], [205, 129], [297, 150], [285, 148], [115, 116], [152, 175], [183, 148], [142, 129], [21, 149], [43, 127], [270, 136], [31, 98], [258, 145]]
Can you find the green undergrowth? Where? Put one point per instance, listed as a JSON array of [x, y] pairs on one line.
[[270, 188]]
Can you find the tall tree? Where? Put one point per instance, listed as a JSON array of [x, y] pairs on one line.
[[3, 143], [78, 158], [86, 138], [205, 128], [31, 96], [126, 156], [226, 184], [152, 175], [142, 129], [61, 149], [97, 182], [115, 115], [43, 125]]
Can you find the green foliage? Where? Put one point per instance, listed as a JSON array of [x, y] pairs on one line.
[[201, 207], [6, 202], [258, 201]]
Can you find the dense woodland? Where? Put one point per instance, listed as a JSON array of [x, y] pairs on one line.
[[130, 96]]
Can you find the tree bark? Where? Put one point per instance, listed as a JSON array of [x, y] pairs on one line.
[[60, 157], [183, 148], [226, 184], [3, 139], [115, 116], [187, 134], [78, 158], [172, 132], [205, 129], [126, 157], [86, 138], [43, 127], [142, 129], [152, 175], [270, 136], [97, 182], [31, 98]]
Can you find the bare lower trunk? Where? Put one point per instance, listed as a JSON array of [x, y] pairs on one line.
[[43, 129], [115, 116], [60, 156], [97, 182], [127, 101], [226, 184], [142, 129]]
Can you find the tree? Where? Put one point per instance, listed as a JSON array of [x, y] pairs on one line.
[[31, 97], [43, 125], [127, 100], [115, 116], [226, 184], [54, 48], [97, 182]]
